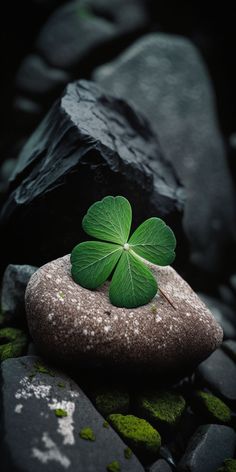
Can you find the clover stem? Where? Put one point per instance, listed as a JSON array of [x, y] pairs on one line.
[[167, 299]]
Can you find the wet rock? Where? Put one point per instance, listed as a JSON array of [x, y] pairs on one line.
[[56, 418], [208, 448], [76, 325], [88, 141], [81, 28], [229, 347], [15, 280], [165, 77], [219, 373]]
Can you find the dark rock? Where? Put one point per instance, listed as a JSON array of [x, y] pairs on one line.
[[45, 418], [208, 448], [36, 78], [160, 466], [13, 343], [219, 373], [79, 29], [15, 280], [229, 347], [78, 326], [165, 77], [89, 145], [224, 314]]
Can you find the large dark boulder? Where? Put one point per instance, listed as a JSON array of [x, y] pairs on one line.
[[88, 146], [164, 77]]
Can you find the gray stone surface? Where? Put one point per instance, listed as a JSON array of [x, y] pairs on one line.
[[165, 77], [14, 283], [89, 145], [224, 314], [160, 466], [34, 438], [80, 28], [36, 78], [71, 323], [219, 373], [208, 448]]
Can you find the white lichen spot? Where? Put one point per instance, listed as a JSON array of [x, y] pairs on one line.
[[50, 453], [157, 318], [85, 332], [92, 333], [99, 319], [107, 329], [18, 408], [50, 316], [66, 423], [28, 390]]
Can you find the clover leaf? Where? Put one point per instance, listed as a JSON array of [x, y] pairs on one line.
[[133, 283]]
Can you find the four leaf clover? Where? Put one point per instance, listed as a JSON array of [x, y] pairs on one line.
[[133, 283]]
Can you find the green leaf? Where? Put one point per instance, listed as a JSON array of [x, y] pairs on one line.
[[93, 262], [154, 241], [109, 220], [132, 284]]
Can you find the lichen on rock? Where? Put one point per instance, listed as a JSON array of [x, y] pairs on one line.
[[13, 343]]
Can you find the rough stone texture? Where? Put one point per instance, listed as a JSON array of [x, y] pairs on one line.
[[219, 373], [165, 78], [89, 145], [160, 466], [34, 438], [70, 323], [80, 28], [208, 448], [15, 280]]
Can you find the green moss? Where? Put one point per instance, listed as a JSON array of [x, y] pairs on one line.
[[154, 309], [128, 453], [42, 369], [61, 385], [60, 413], [137, 433], [229, 465], [113, 467], [162, 408], [85, 12], [105, 424], [112, 401], [88, 434], [13, 343], [61, 295], [212, 407]]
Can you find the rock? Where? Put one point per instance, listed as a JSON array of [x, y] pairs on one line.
[[36, 78], [81, 30], [14, 283], [165, 77], [160, 466], [87, 141], [224, 314], [229, 465], [219, 373], [13, 343], [72, 324], [138, 434], [112, 401], [230, 348], [211, 408], [162, 408], [208, 448], [54, 414]]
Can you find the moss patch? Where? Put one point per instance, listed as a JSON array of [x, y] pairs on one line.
[[137, 433], [87, 434], [212, 407], [113, 467], [13, 343], [162, 408], [60, 413], [128, 453], [229, 465], [105, 424], [43, 369], [112, 401]]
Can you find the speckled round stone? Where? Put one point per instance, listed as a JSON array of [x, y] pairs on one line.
[[75, 325]]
